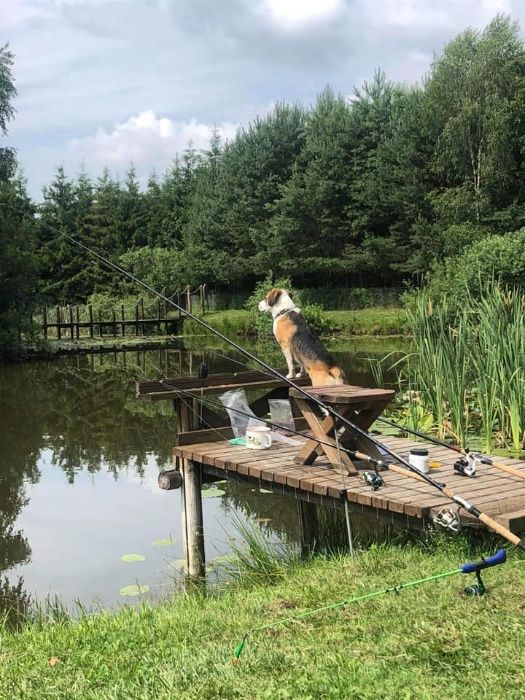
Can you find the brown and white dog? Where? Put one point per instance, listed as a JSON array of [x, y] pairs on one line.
[[300, 345]]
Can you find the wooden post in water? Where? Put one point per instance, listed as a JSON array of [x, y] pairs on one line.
[[309, 526], [191, 511]]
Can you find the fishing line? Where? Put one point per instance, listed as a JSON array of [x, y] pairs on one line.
[[469, 507]]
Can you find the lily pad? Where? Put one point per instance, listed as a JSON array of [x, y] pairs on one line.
[[134, 589], [133, 557], [163, 542], [212, 493]]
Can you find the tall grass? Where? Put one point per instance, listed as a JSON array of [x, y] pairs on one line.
[[469, 364]]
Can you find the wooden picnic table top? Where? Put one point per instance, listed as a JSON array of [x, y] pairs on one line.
[[345, 394]]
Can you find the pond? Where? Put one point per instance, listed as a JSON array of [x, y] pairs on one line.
[[79, 461]]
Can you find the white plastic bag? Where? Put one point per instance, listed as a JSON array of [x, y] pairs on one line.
[[281, 414], [239, 412]]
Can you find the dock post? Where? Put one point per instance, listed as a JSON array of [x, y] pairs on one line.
[[191, 498], [309, 526], [193, 535]]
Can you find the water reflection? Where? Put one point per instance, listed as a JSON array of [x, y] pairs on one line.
[[78, 463]]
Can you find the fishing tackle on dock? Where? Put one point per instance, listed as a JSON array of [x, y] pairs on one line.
[[449, 519], [477, 459], [477, 589], [374, 479], [465, 467], [311, 398]]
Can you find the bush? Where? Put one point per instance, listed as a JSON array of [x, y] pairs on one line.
[[493, 257]]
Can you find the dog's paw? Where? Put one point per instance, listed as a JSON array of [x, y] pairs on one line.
[[289, 375], [300, 374]]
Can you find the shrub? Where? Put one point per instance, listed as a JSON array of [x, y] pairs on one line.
[[493, 257]]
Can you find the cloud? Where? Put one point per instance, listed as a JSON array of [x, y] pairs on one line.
[[300, 13], [410, 16], [82, 67], [148, 141]]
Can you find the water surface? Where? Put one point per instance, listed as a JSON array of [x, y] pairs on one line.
[[79, 461]]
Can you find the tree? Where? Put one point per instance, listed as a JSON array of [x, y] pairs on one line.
[[474, 116], [17, 261]]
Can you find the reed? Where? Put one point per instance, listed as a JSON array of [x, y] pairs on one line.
[[468, 363]]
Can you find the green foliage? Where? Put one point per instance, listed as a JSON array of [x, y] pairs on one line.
[[467, 364], [161, 268], [492, 257]]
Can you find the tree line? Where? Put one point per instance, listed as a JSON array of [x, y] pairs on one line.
[[372, 190]]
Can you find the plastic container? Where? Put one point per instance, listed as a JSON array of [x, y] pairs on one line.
[[418, 458]]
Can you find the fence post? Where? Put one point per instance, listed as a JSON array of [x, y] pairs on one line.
[[136, 318], [100, 321], [77, 320], [90, 315], [114, 319], [188, 299], [59, 330], [45, 322], [142, 314], [203, 298], [123, 319]]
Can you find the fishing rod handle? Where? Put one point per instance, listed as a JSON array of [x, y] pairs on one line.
[[495, 560], [510, 470], [502, 530]]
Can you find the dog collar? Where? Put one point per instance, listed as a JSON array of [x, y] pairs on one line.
[[284, 311]]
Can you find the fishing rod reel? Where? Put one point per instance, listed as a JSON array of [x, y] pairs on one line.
[[448, 519], [469, 463], [374, 479], [478, 589]]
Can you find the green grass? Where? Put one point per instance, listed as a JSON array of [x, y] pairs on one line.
[[374, 321], [425, 643]]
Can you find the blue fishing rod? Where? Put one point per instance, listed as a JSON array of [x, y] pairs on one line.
[[477, 589]]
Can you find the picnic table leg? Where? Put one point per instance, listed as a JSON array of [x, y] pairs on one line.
[[321, 430]]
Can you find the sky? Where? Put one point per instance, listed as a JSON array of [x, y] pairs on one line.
[[109, 82]]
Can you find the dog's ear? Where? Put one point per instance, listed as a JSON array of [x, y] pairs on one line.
[[273, 297]]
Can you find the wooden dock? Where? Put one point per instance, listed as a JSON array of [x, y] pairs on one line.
[[497, 494], [203, 453]]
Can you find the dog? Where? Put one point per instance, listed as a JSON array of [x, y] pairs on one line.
[[299, 343]]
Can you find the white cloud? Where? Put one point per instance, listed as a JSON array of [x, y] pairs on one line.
[[145, 139], [430, 17], [294, 13]]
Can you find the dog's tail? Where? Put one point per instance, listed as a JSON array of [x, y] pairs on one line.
[[338, 375]]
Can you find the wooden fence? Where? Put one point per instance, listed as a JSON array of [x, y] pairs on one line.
[[84, 321]]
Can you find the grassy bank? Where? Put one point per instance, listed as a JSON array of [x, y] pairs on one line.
[[423, 643], [374, 321]]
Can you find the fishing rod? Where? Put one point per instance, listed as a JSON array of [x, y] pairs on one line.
[[463, 503], [477, 589], [471, 461]]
